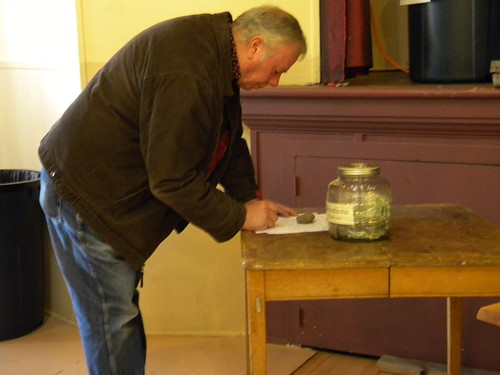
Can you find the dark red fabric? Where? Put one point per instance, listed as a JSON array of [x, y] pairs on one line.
[[358, 44], [333, 40], [234, 56], [345, 39], [219, 153]]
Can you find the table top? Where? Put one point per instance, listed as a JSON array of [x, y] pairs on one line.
[[445, 235]]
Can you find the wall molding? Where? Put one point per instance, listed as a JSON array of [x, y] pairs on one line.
[[21, 65]]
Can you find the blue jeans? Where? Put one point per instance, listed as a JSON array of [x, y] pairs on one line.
[[103, 290]]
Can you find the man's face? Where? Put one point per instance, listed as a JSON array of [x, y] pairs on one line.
[[261, 67]]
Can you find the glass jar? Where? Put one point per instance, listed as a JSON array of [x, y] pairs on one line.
[[358, 204]]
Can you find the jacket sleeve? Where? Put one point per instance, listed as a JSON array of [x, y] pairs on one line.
[[179, 125]]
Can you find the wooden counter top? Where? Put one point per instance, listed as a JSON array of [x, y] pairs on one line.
[[381, 84], [433, 251], [438, 235]]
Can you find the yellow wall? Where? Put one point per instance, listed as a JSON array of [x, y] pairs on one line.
[[39, 78], [105, 25], [192, 285], [108, 24], [391, 21], [38, 74]]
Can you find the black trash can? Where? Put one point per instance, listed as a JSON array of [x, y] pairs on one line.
[[453, 40], [21, 253]]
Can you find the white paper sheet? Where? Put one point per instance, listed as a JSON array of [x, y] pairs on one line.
[[289, 225], [411, 2]]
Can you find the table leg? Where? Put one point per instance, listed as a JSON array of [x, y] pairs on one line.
[[256, 323], [454, 311]]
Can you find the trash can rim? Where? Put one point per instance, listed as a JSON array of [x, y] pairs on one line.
[[25, 182]]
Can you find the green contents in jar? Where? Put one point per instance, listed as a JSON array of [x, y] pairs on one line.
[[370, 219], [359, 204]]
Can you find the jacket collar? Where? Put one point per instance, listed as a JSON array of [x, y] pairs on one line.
[[223, 35]]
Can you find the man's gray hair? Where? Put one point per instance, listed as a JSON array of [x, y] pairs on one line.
[[272, 23]]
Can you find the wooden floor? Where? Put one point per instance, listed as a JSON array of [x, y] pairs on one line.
[[330, 363], [55, 348]]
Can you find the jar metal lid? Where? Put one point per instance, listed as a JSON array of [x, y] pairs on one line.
[[359, 169]]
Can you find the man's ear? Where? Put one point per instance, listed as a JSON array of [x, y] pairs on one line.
[[256, 47]]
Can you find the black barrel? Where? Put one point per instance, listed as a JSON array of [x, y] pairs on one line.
[[453, 40], [21, 253]]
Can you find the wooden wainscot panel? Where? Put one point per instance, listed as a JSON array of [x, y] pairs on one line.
[[327, 284], [445, 281]]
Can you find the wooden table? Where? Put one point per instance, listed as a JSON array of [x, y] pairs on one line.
[[433, 251]]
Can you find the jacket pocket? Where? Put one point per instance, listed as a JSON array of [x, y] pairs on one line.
[[131, 202]]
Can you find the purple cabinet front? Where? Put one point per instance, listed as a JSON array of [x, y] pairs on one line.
[[434, 145]]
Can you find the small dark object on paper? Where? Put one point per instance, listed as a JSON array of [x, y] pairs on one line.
[[305, 218]]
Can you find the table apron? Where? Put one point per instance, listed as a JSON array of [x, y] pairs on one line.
[[281, 285], [465, 281]]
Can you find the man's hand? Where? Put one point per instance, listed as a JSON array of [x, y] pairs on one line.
[[262, 214]]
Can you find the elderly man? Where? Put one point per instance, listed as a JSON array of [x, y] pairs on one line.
[[140, 153]]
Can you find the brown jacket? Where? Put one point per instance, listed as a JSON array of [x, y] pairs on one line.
[[131, 153]]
